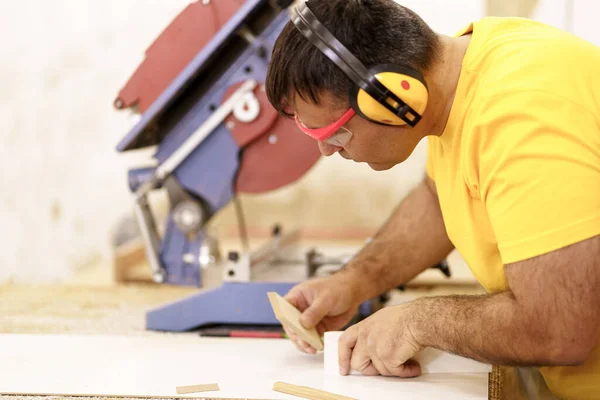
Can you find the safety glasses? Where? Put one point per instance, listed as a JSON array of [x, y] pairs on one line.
[[333, 134]]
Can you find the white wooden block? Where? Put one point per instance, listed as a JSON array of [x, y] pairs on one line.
[[331, 354]]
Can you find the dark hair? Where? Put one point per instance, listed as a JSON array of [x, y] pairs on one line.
[[375, 31]]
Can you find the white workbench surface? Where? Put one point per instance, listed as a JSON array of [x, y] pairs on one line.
[[155, 365]]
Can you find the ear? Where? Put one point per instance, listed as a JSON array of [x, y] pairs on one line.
[[406, 83]]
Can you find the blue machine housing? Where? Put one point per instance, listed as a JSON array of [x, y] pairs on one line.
[[209, 172]]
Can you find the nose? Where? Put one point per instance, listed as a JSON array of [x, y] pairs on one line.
[[328, 149]]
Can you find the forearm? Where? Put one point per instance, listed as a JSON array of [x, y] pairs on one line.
[[413, 239], [492, 329]]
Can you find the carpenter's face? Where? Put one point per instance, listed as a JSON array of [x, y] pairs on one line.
[[359, 140]]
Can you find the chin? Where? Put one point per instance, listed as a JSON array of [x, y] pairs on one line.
[[381, 166]]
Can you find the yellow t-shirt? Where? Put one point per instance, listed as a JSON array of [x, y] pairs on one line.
[[517, 168]]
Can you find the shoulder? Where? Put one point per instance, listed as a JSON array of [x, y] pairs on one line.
[[515, 134], [531, 117], [513, 55]]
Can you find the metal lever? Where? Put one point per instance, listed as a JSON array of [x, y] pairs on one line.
[[272, 250], [150, 236], [203, 131]]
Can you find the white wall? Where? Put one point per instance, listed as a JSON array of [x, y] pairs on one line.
[[579, 17], [447, 16], [63, 186], [585, 20]]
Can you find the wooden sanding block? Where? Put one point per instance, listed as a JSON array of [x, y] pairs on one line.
[[307, 392], [197, 388], [289, 316]]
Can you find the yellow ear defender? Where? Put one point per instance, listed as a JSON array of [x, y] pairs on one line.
[[388, 94]]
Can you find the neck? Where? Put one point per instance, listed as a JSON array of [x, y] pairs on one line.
[[443, 81]]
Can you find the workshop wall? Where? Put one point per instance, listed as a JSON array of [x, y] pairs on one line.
[[64, 185]]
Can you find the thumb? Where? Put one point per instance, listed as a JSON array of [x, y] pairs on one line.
[[296, 298], [313, 314]]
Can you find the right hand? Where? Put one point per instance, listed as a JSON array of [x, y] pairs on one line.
[[327, 303]]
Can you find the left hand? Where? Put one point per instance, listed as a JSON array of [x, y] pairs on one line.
[[382, 344]]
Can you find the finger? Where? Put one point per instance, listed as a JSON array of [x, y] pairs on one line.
[[366, 368], [294, 338], [296, 298], [308, 348], [399, 362], [410, 369], [305, 346], [321, 328], [301, 344], [335, 322], [314, 313], [379, 365], [361, 359], [346, 344], [376, 358], [291, 335]]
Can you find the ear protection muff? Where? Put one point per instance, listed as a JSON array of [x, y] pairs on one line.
[[388, 94]]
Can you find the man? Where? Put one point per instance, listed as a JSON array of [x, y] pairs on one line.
[[512, 120]]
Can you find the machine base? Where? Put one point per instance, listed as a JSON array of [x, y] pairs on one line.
[[233, 303]]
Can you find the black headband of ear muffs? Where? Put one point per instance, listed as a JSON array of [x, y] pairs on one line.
[[307, 23]]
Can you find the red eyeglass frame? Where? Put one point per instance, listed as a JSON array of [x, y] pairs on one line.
[[322, 134]]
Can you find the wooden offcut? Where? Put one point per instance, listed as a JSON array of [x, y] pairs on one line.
[[210, 387], [130, 263], [289, 316], [307, 392]]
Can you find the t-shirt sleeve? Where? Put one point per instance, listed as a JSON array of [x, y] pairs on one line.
[[537, 170]]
